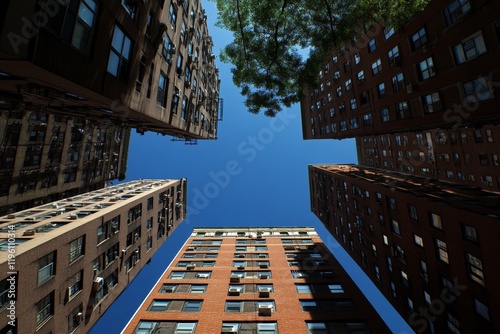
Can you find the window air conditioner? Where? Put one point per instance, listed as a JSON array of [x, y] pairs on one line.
[[191, 266], [264, 292], [234, 279], [234, 291], [263, 276], [265, 310], [202, 275], [79, 317], [98, 283]]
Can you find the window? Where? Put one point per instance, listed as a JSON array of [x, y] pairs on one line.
[[361, 77], [172, 15], [75, 284], [435, 220], [475, 266], [303, 288], [74, 24], [162, 88], [353, 123], [442, 251], [250, 327], [388, 32], [418, 39], [47, 268], [77, 248], [432, 103], [44, 309], [372, 45], [395, 227], [339, 91], [151, 327], [477, 90], [394, 57], [357, 58], [343, 125], [482, 309], [119, 54], [398, 82], [469, 48], [367, 119], [381, 90], [418, 240], [412, 212], [455, 11], [168, 48], [376, 66], [402, 110], [426, 69], [353, 104], [198, 288], [159, 305], [348, 85]]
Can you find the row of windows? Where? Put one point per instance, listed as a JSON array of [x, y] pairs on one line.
[[236, 289], [476, 90], [170, 327]]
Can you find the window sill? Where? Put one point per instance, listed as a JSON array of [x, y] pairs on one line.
[[38, 327]]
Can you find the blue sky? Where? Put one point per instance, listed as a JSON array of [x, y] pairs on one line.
[[254, 174]]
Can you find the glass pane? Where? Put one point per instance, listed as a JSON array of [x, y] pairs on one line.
[[126, 48], [118, 37], [86, 14], [113, 63]]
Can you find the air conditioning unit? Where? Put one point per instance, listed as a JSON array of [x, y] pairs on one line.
[[262, 256], [28, 233], [264, 292], [190, 248], [241, 255], [263, 276], [263, 265], [78, 317], [241, 267], [191, 266], [265, 310], [179, 71], [169, 290], [98, 283], [202, 275], [234, 292], [234, 279], [229, 330]]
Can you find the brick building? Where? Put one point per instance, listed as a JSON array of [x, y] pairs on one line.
[[46, 157], [75, 256], [255, 280], [142, 64], [438, 71], [429, 246], [468, 156]]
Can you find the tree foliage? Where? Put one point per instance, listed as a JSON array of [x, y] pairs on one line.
[[270, 37]]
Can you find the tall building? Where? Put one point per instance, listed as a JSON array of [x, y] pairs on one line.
[[46, 157], [63, 263], [438, 71], [141, 64], [467, 156], [430, 246], [255, 280]]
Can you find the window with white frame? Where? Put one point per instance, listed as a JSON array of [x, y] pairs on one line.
[[469, 48], [47, 267], [77, 248]]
